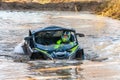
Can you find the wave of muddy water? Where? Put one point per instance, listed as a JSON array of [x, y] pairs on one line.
[[101, 44]]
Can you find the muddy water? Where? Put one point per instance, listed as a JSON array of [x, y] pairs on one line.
[[101, 45]]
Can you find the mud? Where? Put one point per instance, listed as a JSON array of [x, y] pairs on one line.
[[101, 45]]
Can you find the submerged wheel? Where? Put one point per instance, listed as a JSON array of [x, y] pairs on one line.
[[39, 56], [80, 54], [36, 56]]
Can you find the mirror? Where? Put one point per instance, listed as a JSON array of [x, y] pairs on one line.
[[80, 35], [27, 38]]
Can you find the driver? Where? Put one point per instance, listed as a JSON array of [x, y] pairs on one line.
[[65, 39]]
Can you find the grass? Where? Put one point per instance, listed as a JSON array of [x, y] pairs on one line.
[[110, 9]]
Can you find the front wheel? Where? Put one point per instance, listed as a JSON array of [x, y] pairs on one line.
[[80, 54]]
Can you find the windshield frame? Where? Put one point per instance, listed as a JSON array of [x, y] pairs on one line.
[[34, 36]]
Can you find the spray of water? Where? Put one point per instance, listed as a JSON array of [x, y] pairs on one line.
[[18, 49]]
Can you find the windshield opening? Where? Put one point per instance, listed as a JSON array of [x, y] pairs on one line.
[[51, 37]]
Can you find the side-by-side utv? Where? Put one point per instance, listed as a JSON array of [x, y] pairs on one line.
[[40, 44]]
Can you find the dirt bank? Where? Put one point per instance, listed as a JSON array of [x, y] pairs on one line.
[[71, 6]]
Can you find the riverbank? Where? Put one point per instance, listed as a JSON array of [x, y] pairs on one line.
[[109, 8], [68, 6]]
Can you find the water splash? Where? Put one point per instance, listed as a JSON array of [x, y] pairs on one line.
[[18, 49]]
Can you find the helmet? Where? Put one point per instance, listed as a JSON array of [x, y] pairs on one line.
[[66, 36]]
